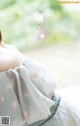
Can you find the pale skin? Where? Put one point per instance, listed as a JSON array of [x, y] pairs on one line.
[[10, 57]]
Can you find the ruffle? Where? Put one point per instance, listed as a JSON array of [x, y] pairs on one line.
[[27, 91]]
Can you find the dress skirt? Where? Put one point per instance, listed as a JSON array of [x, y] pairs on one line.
[[27, 96]]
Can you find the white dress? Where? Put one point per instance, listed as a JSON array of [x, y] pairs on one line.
[[27, 95]]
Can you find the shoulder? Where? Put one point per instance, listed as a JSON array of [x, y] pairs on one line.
[[7, 62], [9, 58], [8, 46]]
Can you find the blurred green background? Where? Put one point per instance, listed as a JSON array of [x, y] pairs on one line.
[[18, 23], [59, 50]]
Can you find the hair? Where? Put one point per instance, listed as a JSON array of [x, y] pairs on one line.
[[0, 37]]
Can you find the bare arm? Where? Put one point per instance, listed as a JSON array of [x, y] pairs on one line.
[[10, 57]]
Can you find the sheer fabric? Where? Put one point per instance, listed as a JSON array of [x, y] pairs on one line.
[[25, 93]]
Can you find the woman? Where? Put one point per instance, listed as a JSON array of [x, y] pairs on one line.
[[27, 93]]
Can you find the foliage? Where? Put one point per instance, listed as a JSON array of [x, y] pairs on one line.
[[6, 3], [18, 23]]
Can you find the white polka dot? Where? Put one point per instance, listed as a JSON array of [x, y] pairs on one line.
[[25, 113], [9, 87], [26, 94], [1, 98], [14, 104]]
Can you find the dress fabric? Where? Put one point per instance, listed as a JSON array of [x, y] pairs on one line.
[[25, 96]]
